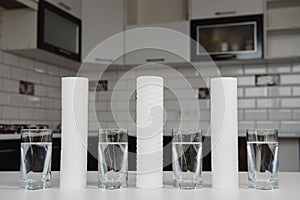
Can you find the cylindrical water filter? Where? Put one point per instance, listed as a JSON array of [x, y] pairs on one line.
[[224, 133], [73, 168], [149, 132]]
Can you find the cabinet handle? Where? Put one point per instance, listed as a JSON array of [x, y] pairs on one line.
[[103, 60], [232, 12], [155, 60], [65, 6]]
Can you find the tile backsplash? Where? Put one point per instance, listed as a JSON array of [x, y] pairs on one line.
[[41, 108], [259, 106]]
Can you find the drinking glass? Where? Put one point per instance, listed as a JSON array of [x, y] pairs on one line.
[[35, 166], [187, 158], [112, 158], [262, 150]]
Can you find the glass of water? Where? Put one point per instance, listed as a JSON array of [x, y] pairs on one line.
[[262, 150], [112, 158], [187, 159], [35, 166]]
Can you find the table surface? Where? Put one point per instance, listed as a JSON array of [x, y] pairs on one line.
[[289, 189]]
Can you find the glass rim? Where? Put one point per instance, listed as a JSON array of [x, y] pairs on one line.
[[186, 131], [112, 129], [263, 129], [36, 129]]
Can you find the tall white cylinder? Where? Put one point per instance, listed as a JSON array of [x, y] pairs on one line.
[[224, 133], [73, 167], [149, 132]]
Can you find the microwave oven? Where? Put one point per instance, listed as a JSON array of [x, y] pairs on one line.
[[58, 32], [229, 38]]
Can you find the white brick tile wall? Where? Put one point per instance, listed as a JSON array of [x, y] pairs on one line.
[[240, 115], [296, 91], [279, 68], [5, 70], [243, 125], [34, 77], [204, 115], [290, 79], [255, 69], [26, 63], [204, 104], [246, 103], [255, 114], [40, 114], [296, 67], [232, 70], [268, 103], [296, 114], [290, 126], [10, 85], [47, 79], [9, 112], [256, 92], [268, 125], [53, 114], [240, 92], [40, 67], [188, 72], [11, 59], [246, 81], [100, 105], [5, 98], [34, 101], [40, 90], [279, 114], [18, 100], [26, 113], [279, 91], [54, 92], [290, 103]]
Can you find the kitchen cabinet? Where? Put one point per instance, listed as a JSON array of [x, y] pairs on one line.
[[101, 20], [72, 7], [203, 9], [154, 55], [139, 12], [282, 28], [17, 4]]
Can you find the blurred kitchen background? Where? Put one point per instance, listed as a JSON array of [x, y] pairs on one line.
[[268, 76]]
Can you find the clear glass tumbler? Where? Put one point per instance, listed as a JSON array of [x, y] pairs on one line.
[[36, 151], [262, 150], [187, 159], [112, 158]]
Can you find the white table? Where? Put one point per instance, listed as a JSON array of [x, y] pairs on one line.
[[289, 190]]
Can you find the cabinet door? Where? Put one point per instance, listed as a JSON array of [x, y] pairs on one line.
[[201, 9], [155, 55], [72, 7], [101, 20]]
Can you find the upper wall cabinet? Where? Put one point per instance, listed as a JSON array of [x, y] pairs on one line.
[[101, 20], [175, 41], [141, 12], [203, 9], [283, 28], [17, 4], [72, 7]]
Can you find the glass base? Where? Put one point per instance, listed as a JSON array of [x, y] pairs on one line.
[[187, 185], [34, 185], [264, 185], [111, 185]]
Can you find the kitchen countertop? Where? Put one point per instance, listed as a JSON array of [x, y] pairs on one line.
[[289, 185]]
